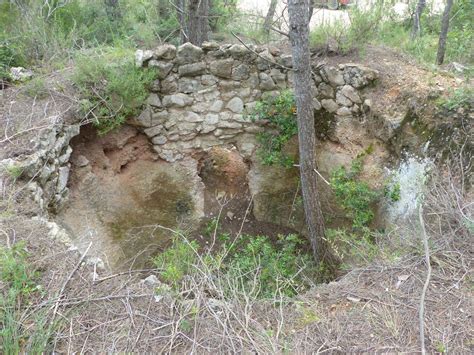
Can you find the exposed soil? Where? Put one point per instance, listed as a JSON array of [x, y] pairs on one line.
[[126, 201]]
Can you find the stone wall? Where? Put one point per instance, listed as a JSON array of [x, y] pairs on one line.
[[203, 94]]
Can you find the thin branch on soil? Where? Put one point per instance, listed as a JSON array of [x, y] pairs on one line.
[[427, 281]]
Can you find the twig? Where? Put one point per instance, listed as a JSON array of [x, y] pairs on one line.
[[56, 306], [427, 281]]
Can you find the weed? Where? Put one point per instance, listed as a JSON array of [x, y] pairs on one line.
[[251, 265], [280, 112], [357, 248], [176, 261], [112, 88], [392, 192], [354, 196], [458, 98], [19, 276], [14, 171], [36, 88]]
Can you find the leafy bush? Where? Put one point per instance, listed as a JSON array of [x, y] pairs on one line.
[[112, 88], [280, 112], [354, 196]]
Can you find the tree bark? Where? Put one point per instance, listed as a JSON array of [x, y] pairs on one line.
[[198, 16], [444, 33], [269, 18], [298, 11], [180, 6], [416, 31]]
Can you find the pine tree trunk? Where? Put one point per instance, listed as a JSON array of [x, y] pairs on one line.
[[298, 11], [269, 18], [416, 31], [198, 15], [180, 6], [444, 33]]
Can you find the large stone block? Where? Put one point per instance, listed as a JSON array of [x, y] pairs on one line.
[[192, 69], [189, 53], [222, 68]]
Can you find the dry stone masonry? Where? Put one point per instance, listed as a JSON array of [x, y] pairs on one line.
[[202, 95]]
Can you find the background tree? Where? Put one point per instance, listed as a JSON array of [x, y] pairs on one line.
[[298, 11], [416, 31], [198, 21], [444, 33], [269, 18]]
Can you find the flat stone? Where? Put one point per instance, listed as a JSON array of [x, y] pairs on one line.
[[238, 51], [217, 106], [164, 68], [143, 120], [351, 93], [286, 60], [142, 56], [210, 45], [165, 51], [189, 85], [188, 53], [153, 131], [208, 80], [329, 105], [169, 85], [154, 100], [241, 72], [332, 76], [316, 104], [177, 100], [151, 281], [63, 176], [192, 117], [344, 111], [192, 69], [326, 91], [159, 117], [265, 60], [266, 82], [342, 99], [236, 105], [222, 68], [80, 161]]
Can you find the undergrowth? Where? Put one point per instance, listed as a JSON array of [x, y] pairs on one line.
[[17, 278], [112, 88], [354, 195], [251, 265], [379, 24], [280, 112]]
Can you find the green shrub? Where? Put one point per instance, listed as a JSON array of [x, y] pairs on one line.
[[36, 88], [354, 196], [459, 98], [177, 261], [112, 88], [281, 267], [251, 265], [280, 112]]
